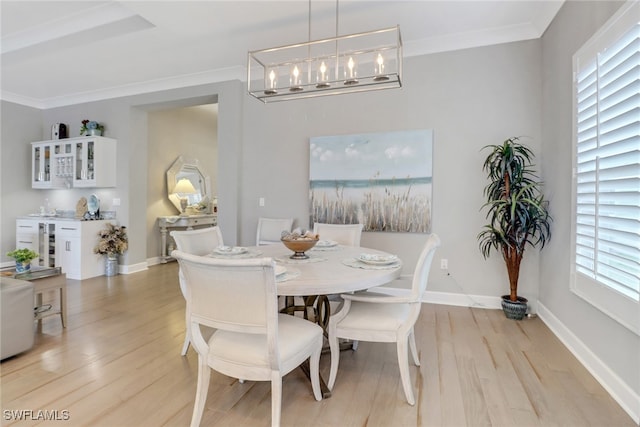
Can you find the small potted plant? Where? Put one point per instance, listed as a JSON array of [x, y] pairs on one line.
[[113, 242], [90, 127], [23, 258], [517, 214]]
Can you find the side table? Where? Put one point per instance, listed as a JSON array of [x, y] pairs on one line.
[[45, 279]]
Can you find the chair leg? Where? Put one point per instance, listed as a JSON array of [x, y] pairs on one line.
[[335, 358], [204, 374], [403, 364], [414, 348], [276, 398], [314, 365], [185, 346], [187, 333]]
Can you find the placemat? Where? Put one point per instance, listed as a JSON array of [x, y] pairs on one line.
[[352, 262], [251, 253], [291, 273]]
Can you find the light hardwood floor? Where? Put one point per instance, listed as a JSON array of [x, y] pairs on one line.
[[118, 364]]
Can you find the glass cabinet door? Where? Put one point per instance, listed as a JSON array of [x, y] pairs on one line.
[[41, 166], [85, 162], [62, 165]]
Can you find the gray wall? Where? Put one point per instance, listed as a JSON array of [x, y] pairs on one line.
[[617, 347]]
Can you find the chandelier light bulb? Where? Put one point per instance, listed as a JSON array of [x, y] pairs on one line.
[[351, 65], [271, 90], [379, 69], [295, 80]]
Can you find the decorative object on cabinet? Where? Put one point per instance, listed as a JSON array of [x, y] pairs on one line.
[[93, 208], [81, 207], [23, 258], [201, 182], [183, 188], [90, 127], [517, 212], [59, 131], [113, 242], [87, 162]]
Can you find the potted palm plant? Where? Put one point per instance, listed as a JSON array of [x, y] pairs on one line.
[[517, 212]]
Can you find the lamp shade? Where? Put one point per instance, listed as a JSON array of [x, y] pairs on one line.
[[184, 186]]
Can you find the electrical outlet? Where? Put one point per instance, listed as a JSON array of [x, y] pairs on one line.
[[116, 202], [444, 264], [261, 201]]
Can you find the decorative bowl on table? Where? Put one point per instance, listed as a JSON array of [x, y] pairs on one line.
[[299, 243]]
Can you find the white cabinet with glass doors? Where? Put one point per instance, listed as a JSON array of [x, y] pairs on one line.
[[86, 162], [95, 162]]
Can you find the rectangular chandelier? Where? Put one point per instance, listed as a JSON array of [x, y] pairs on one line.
[[345, 64]]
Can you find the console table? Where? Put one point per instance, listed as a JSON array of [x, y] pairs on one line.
[[167, 223]]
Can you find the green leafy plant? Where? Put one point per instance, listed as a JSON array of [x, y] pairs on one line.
[[90, 124], [517, 211], [23, 255], [113, 240]]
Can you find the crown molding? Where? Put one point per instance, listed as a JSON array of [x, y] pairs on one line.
[[157, 85]]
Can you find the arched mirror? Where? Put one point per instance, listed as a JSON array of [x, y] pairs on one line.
[[197, 197]]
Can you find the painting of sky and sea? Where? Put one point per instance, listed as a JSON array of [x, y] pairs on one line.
[[381, 180]]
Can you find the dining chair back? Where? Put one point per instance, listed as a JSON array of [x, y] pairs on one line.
[[201, 241], [270, 230], [343, 234], [378, 317], [252, 340]]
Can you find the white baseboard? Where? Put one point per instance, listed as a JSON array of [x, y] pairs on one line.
[[618, 389], [447, 298], [132, 268]]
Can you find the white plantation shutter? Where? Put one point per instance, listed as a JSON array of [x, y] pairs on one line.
[[607, 170]]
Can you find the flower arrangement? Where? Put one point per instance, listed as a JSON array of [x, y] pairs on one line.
[[113, 240], [22, 255], [88, 125]]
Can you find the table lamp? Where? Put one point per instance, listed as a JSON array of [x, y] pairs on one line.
[[183, 187]]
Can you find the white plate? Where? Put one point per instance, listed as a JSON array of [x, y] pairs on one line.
[[326, 244], [280, 270], [230, 250], [375, 259]]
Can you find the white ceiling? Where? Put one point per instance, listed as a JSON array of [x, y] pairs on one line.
[[64, 52]]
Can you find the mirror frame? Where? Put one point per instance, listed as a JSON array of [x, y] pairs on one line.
[[180, 166]]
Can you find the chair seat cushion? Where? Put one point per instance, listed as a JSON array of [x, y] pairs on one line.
[[375, 317], [295, 336]]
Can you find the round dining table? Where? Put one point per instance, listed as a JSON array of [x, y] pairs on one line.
[[331, 270]]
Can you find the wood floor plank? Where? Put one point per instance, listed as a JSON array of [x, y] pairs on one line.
[[118, 364]]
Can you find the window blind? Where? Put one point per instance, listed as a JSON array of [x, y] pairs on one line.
[[607, 234]]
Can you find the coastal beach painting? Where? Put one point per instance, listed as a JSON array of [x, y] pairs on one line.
[[381, 180]]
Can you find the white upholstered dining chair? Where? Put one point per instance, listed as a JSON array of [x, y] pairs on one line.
[[270, 230], [201, 241], [343, 234], [252, 340], [370, 316]]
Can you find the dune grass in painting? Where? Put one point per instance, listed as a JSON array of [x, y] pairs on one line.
[[380, 208]]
